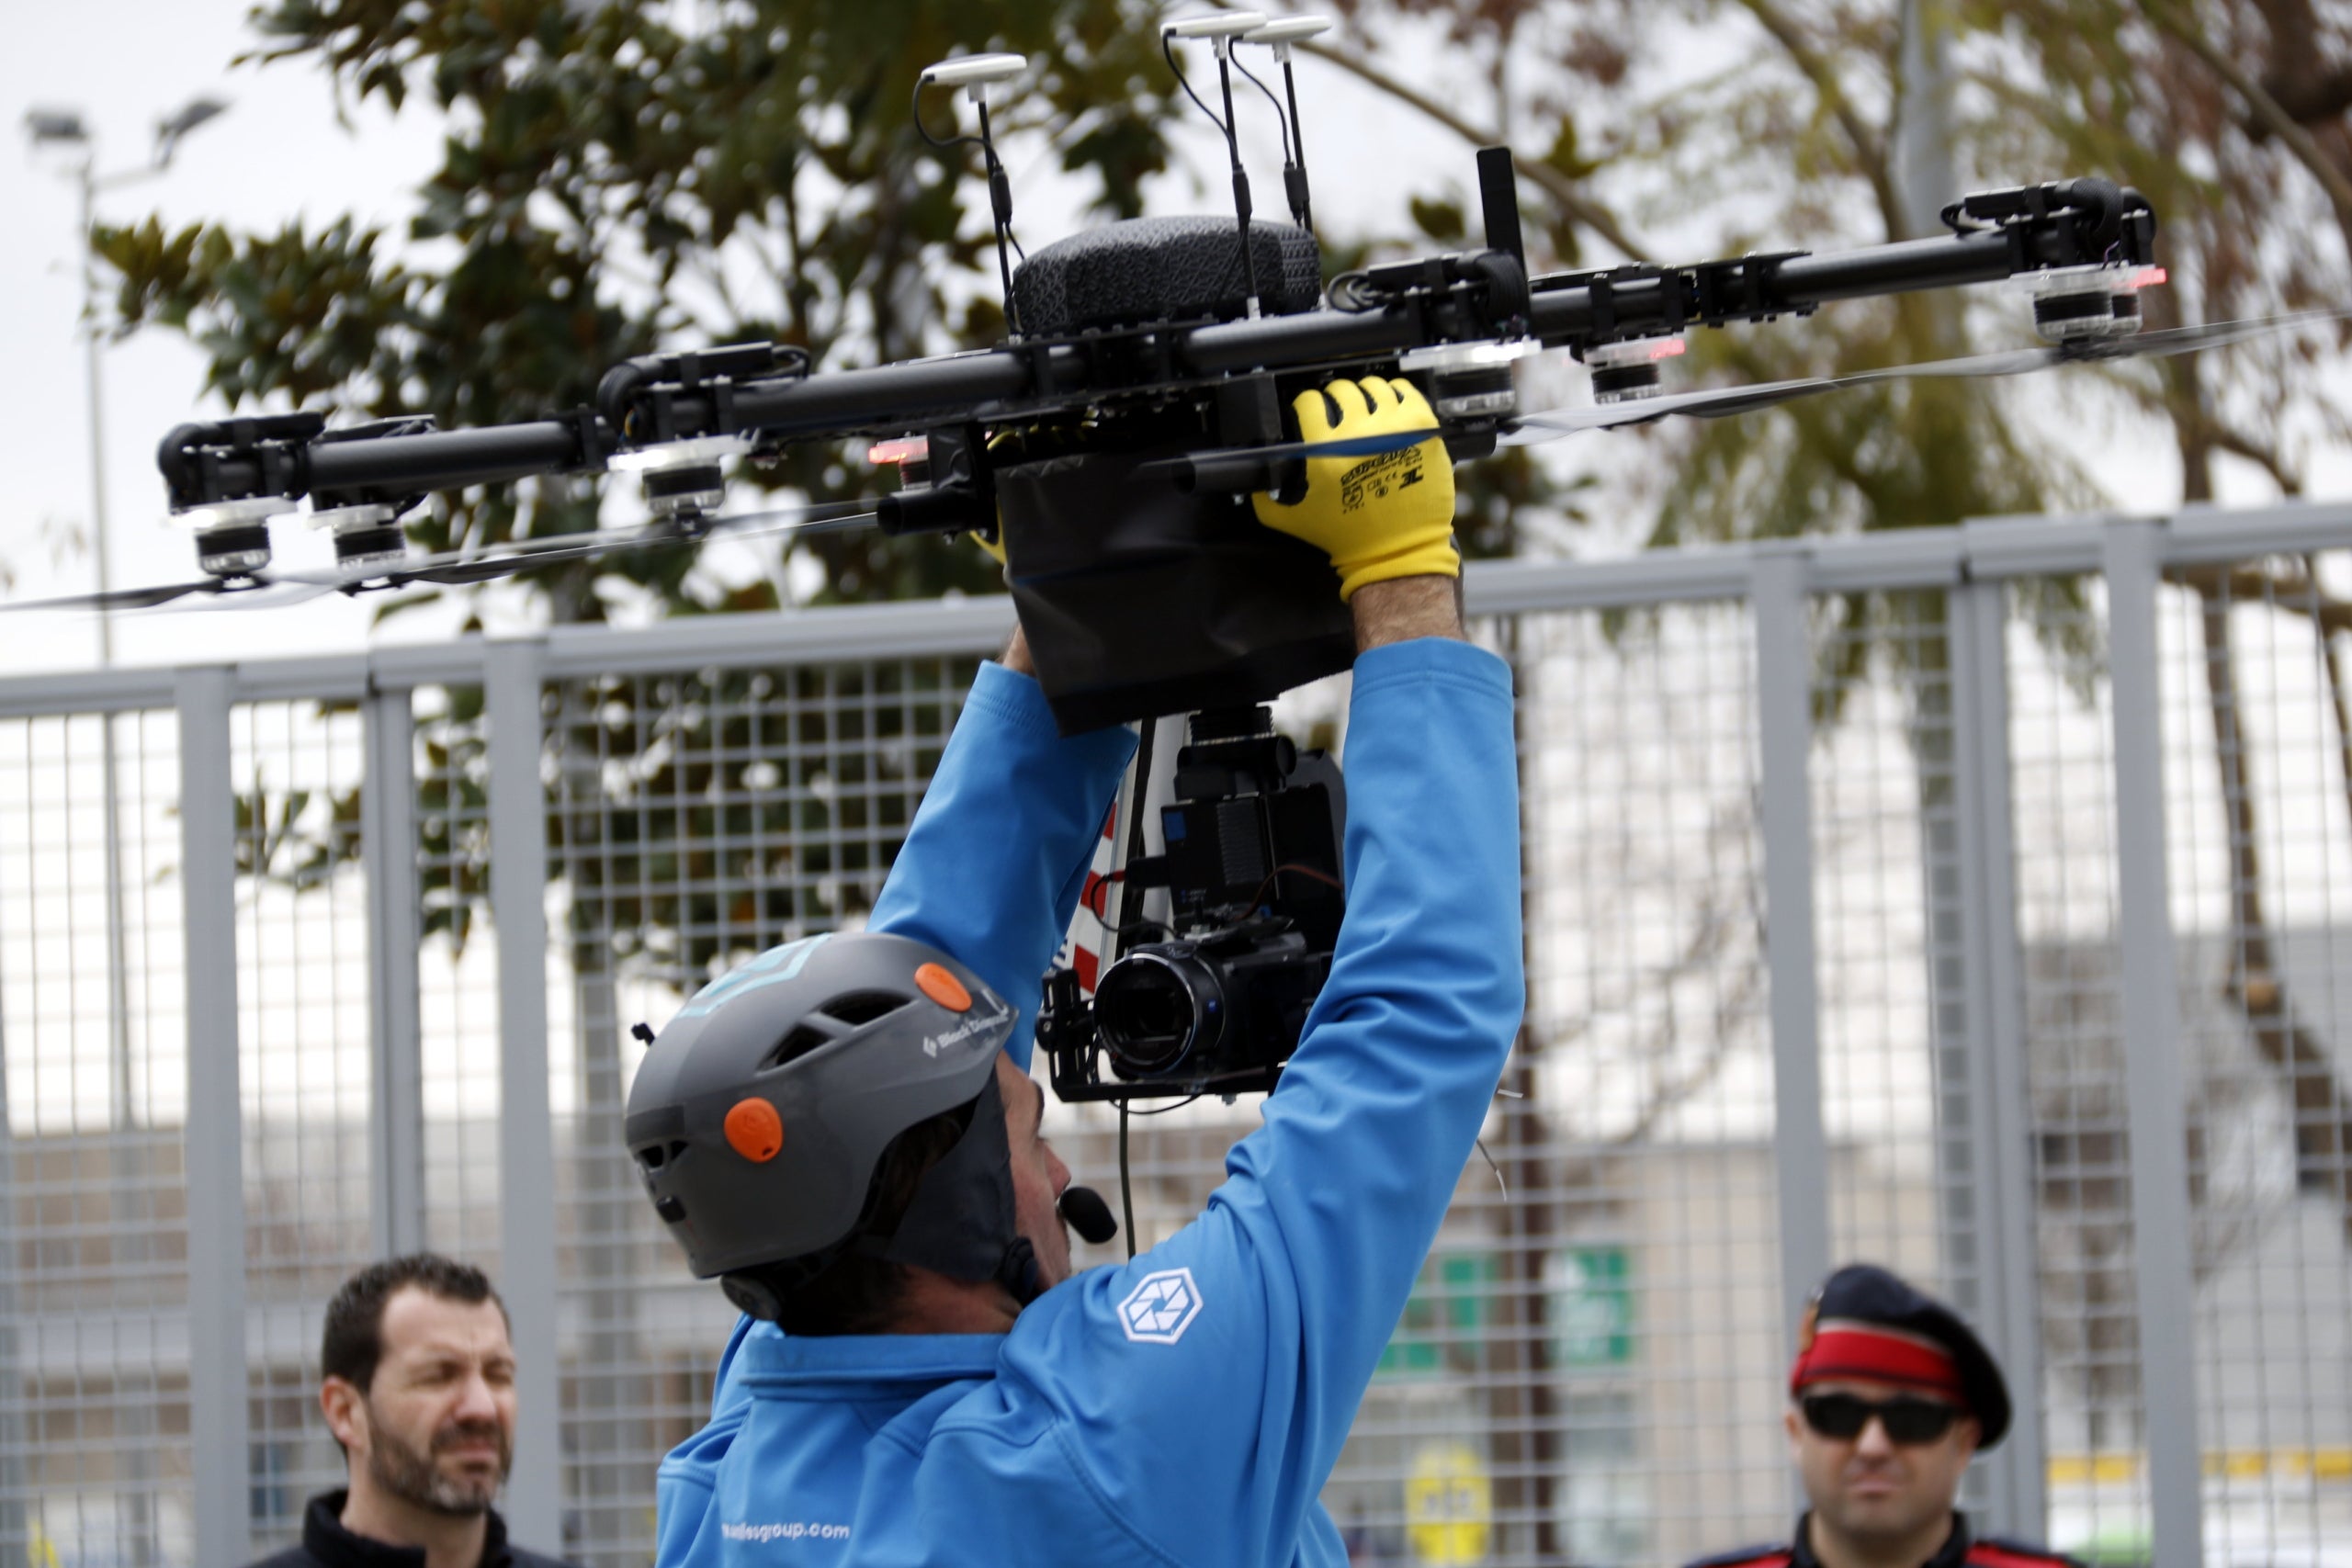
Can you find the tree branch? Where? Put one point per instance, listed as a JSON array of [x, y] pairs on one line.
[[2256, 980], [2263, 455], [2263, 106], [1579, 207], [2312, 100], [1869, 151]]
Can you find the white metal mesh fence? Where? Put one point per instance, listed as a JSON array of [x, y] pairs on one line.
[[1886, 807], [1592, 1368], [1637, 1274], [456, 964], [698, 819], [94, 1370], [2067, 898], [2262, 838], [302, 989]]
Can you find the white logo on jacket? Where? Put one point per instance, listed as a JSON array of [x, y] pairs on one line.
[[1160, 1308]]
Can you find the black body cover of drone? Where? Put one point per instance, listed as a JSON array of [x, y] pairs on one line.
[[1139, 601], [1160, 269]]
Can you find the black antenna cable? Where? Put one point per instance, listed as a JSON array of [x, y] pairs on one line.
[[1279, 34], [1221, 29], [975, 72]]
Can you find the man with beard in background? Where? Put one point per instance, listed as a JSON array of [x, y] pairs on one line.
[[418, 1389]]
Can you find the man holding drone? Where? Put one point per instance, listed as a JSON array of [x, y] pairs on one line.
[[844, 1131]]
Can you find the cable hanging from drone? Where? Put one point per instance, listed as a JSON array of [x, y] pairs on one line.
[[977, 71], [1279, 34], [1221, 29]]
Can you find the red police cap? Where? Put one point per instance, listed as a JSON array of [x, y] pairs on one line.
[[1865, 1323]]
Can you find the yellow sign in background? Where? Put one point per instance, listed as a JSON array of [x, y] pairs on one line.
[[1449, 1505]]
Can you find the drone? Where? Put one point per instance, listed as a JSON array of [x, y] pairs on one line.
[[1111, 442]]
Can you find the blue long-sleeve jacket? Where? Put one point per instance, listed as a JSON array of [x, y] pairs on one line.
[[1184, 1408]]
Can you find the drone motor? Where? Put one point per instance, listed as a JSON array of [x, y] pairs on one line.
[[684, 481], [1626, 372], [2088, 304], [232, 537], [368, 536], [1470, 380]]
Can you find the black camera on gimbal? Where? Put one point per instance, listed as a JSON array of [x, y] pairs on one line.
[[1252, 869]]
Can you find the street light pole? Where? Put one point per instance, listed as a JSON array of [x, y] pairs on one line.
[[66, 127], [87, 184], [133, 1217]]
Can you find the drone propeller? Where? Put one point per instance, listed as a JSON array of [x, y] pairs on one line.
[[1723, 402], [130, 598], [276, 589]]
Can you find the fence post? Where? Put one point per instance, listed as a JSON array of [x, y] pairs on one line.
[[1988, 1057], [2163, 1282], [526, 1215], [214, 1151], [1784, 724], [396, 1096]]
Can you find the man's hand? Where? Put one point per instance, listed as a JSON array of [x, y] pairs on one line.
[[1381, 518]]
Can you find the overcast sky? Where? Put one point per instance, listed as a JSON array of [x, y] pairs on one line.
[[278, 153]]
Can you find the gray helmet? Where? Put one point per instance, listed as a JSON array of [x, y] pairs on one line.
[[761, 1113]]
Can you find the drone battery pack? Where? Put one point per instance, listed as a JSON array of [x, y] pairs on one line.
[[1141, 601], [1144, 270]]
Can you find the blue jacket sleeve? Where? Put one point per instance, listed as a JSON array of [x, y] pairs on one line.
[[994, 861], [1228, 1362]]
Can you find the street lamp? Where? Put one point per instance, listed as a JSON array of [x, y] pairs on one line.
[[57, 127]]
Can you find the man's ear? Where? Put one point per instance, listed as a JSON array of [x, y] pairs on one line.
[[340, 1401], [1789, 1419]]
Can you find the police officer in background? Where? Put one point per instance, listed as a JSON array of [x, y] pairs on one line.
[[1889, 1399]]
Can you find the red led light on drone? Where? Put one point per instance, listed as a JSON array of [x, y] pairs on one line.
[[2148, 277], [906, 449], [1667, 348]]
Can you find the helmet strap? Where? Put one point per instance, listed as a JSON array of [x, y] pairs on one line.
[[961, 1220]]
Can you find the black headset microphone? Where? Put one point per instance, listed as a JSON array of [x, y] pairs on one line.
[[1088, 1214]]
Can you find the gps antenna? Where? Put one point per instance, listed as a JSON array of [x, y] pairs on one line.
[[1498, 201], [1281, 33], [975, 72], [1221, 31]]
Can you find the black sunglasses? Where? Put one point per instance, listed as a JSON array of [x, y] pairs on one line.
[[1907, 1418]]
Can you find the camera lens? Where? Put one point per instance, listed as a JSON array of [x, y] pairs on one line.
[[1155, 1007]]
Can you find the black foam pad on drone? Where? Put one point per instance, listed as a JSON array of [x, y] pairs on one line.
[[1160, 269], [1139, 601]]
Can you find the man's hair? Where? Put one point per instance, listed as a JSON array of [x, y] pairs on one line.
[[855, 1294], [354, 1341]]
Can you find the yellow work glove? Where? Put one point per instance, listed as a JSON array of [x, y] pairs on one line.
[[1386, 515], [995, 547]]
